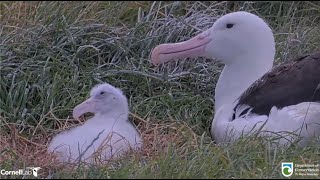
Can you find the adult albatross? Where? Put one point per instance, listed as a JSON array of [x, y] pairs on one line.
[[249, 94], [108, 134]]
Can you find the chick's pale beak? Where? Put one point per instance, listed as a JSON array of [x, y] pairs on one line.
[[86, 106], [192, 48]]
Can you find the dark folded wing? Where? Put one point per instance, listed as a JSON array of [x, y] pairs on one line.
[[287, 84]]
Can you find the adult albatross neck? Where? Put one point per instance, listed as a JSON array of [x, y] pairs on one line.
[[244, 43]]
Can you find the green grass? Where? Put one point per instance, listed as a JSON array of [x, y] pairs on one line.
[[53, 53]]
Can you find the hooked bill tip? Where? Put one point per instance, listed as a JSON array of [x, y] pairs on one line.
[[155, 55]]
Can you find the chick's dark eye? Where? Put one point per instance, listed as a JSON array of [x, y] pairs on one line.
[[101, 93], [229, 25]]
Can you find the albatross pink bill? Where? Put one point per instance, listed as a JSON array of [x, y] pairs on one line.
[[194, 47], [86, 106]]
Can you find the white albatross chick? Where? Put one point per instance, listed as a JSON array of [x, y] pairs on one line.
[[107, 135]]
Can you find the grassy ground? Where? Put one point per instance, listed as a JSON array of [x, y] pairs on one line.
[[52, 53]]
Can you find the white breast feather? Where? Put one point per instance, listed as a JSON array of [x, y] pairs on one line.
[[302, 119]]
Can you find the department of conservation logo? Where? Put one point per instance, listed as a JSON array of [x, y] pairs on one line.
[[287, 169]]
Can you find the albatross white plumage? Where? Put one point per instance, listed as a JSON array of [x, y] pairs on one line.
[[249, 94], [108, 134]]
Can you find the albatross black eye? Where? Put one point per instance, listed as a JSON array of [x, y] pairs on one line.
[[101, 93], [229, 25]]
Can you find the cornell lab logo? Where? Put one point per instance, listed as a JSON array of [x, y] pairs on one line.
[[21, 172], [287, 169], [34, 170]]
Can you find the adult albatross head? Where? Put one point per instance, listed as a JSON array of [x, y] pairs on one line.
[[231, 38], [240, 40]]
